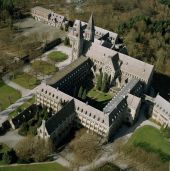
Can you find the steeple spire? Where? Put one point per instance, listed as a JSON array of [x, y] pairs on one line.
[[90, 29], [90, 25]]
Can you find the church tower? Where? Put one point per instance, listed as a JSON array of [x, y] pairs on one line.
[[77, 45], [90, 30]]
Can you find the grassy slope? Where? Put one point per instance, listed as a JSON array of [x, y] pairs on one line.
[[152, 136], [36, 167], [5, 92], [25, 80], [43, 67]]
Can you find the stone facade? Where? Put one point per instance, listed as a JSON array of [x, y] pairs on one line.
[[49, 17], [161, 111], [104, 123]]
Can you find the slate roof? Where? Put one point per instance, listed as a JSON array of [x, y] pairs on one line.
[[69, 68], [41, 9], [120, 96], [59, 117]]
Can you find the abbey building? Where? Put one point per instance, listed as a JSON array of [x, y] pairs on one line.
[[94, 50]]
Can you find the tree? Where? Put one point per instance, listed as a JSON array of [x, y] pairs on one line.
[[99, 81], [104, 86], [84, 95], [7, 158], [24, 129], [80, 92], [33, 149]]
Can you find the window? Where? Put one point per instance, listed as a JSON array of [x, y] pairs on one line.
[[94, 116], [90, 114], [78, 108], [42, 90]]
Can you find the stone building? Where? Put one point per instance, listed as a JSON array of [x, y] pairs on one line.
[[94, 50], [49, 17], [120, 109], [161, 111]]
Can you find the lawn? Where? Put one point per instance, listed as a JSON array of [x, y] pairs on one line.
[[8, 95], [57, 56], [98, 96], [25, 80], [43, 67], [151, 136], [22, 107], [36, 167]]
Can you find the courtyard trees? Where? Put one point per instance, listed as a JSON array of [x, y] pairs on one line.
[[85, 147], [103, 81], [33, 149], [99, 81], [80, 92]]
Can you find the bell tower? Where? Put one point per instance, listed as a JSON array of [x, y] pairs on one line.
[[77, 45], [90, 30]]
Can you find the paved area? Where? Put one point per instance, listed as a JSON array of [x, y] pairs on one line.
[[62, 48], [11, 138], [29, 26]]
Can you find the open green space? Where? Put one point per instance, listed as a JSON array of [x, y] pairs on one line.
[[8, 95], [25, 80], [57, 56], [98, 96], [21, 108], [35, 167], [151, 140], [43, 67]]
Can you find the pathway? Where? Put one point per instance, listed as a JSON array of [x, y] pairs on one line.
[[26, 95]]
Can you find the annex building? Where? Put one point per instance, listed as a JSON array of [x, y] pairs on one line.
[[94, 50]]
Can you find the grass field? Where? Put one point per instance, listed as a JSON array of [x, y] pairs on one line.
[[43, 67], [8, 95], [57, 56], [26, 80], [98, 96], [151, 136], [36, 167]]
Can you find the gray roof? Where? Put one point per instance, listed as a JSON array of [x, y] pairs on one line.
[[129, 65], [59, 117], [62, 73], [98, 30], [122, 94], [44, 10]]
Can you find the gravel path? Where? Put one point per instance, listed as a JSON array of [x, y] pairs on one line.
[[11, 138]]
